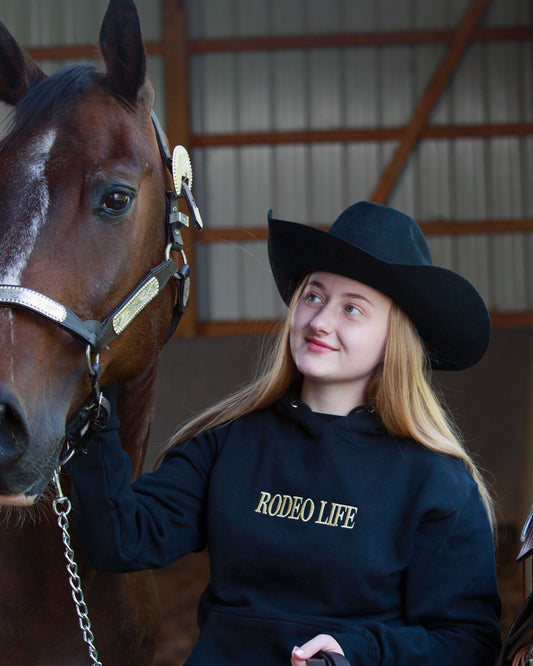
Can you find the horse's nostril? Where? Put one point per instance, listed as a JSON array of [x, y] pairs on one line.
[[12, 432], [13, 444]]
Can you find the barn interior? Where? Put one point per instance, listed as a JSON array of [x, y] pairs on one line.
[[306, 106]]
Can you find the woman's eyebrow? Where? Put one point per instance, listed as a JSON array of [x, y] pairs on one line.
[[363, 298], [317, 283]]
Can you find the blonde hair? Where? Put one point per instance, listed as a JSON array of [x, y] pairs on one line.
[[276, 373], [400, 391], [402, 394]]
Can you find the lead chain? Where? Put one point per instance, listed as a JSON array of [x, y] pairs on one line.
[[62, 508]]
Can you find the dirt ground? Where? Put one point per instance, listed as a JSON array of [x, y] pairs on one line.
[[181, 584]]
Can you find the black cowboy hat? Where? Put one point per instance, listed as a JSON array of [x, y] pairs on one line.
[[386, 250]]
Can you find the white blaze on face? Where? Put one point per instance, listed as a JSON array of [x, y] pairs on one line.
[[34, 196]]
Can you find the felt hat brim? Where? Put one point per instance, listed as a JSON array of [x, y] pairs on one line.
[[448, 312]]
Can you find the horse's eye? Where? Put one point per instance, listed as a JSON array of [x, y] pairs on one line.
[[117, 202]]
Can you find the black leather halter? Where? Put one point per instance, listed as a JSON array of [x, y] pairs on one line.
[[95, 336]]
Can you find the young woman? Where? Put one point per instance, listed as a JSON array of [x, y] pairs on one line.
[[340, 509]]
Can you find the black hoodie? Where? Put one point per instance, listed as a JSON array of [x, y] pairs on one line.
[[314, 524]]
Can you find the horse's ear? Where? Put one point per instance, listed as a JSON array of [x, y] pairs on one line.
[[18, 71], [123, 50]]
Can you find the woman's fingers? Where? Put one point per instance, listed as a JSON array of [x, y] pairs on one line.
[[300, 654]]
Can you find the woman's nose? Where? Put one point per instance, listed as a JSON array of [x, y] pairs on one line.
[[323, 320]]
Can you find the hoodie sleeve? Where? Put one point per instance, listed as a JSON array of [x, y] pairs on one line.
[[150, 523], [452, 606]]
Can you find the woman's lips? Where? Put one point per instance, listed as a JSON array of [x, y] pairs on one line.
[[318, 346]]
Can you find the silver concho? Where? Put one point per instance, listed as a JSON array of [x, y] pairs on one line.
[[181, 168]]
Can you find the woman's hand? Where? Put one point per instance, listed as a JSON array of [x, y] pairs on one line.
[[301, 654]]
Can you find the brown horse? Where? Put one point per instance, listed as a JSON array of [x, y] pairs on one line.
[[86, 258]]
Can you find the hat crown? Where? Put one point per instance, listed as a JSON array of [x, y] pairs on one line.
[[383, 232]]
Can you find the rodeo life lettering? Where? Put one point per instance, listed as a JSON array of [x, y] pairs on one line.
[[293, 507]]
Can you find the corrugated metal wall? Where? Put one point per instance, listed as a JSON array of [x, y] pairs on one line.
[[365, 87], [351, 87]]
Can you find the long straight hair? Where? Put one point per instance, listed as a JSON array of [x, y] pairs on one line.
[[277, 371], [400, 391]]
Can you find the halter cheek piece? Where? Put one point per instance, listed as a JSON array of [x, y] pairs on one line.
[[95, 336]]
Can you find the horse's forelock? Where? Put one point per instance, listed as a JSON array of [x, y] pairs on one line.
[[49, 98]]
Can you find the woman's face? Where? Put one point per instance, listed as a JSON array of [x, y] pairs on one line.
[[339, 329]]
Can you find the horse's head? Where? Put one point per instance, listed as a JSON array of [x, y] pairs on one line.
[[82, 223]]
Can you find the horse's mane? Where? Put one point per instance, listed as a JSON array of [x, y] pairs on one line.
[[48, 98]]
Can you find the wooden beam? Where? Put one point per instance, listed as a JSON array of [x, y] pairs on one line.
[[346, 40], [295, 136], [178, 127], [237, 234], [430, 228], [176, 71], [468, 227], [525, 474], [477, 131], [511, 319], [429, 99], [359, 135], [81, 51]]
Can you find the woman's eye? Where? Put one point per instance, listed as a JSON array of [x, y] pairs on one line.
[[352, 309], [312, 298]]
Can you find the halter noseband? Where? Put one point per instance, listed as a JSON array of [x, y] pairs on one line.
[[95, 336]]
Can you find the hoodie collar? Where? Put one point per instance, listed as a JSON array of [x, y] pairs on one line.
[[362, 418]]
